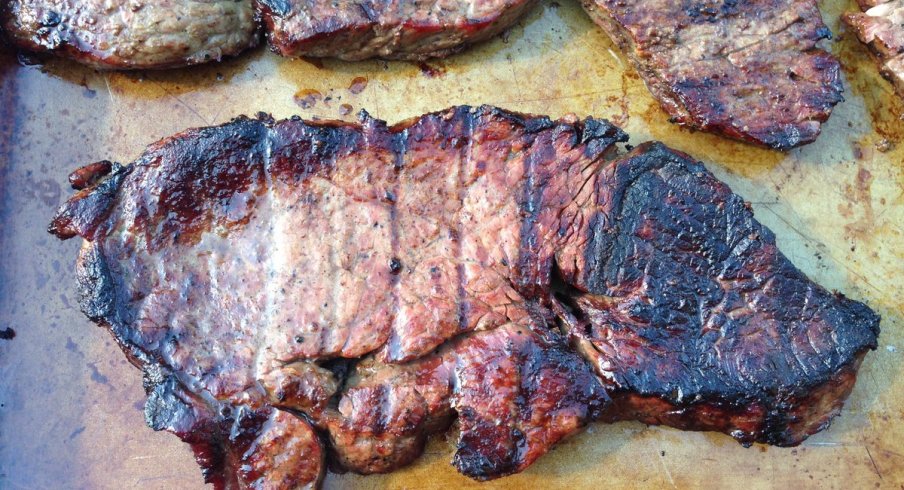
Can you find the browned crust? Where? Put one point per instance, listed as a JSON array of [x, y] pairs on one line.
[[786, 422], [401, 39], [718, 100], [119, 37], [205, 422], [884, 39]]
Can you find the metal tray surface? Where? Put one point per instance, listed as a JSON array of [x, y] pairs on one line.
[[71, 406]]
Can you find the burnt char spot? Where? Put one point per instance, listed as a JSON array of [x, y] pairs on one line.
[[395, 266], [691, 294], [84, 213], [7, 333], [97, 292], [485, 449], [599, 136], [202, 172], [165, 409], [275, 7]]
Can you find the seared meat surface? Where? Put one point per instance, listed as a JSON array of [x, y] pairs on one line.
[[698, 321], [881, 27], [171, 33], [372, 284], [747, 70], [400, 29], [133, 34]]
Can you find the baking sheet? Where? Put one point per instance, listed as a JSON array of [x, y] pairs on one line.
[[71, 406]]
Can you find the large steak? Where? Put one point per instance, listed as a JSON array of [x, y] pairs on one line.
[[371, 284]]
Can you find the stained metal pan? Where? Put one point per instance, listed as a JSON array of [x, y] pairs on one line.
[[70, 405]]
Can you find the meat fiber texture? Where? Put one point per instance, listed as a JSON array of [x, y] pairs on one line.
[[132, 34], [881, 27], [146, 34], [747, 70], [410, 30], [302, 292]]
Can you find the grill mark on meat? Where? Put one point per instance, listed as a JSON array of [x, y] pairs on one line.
[[400, 149], [528, 207], [427, 211], [673, 293]]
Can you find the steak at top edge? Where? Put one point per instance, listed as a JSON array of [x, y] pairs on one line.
[[132, 35], [748, 70], [410, 30], [688, 305]]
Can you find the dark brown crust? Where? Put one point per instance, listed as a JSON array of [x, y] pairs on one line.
[[712, 69], [389, 30], [7, 103], [696, 320], [787, 424], [590, 232], [235, 445]]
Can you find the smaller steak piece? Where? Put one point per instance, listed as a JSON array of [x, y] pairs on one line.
[[882, 29], [132, 35], [698, 321], [516, 392], [747, 70], [401, 29]]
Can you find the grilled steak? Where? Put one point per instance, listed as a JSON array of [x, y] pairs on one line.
[[516, 393], [747, 70], [881, 27], [373, 283], [132, 35], [411, 30]]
